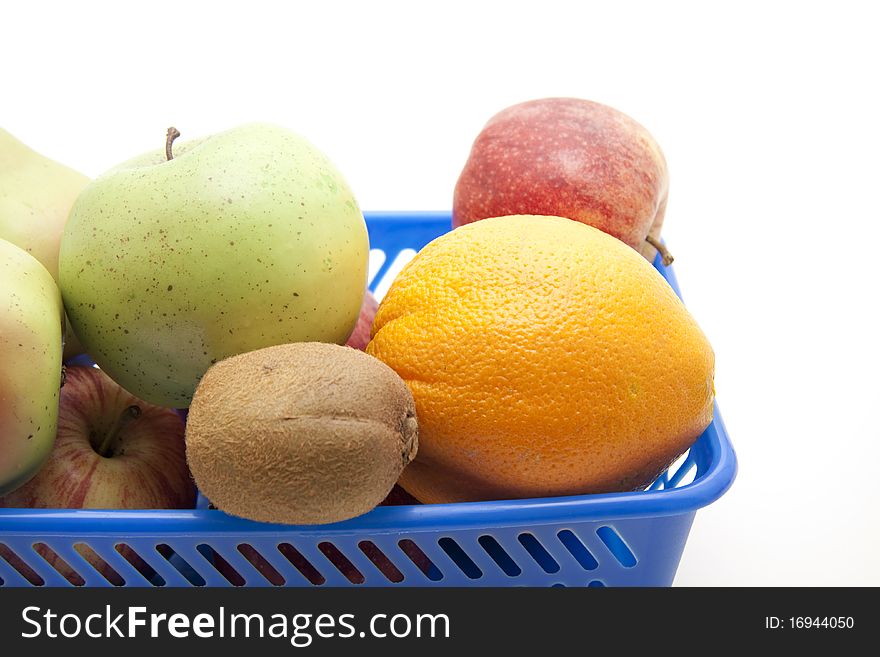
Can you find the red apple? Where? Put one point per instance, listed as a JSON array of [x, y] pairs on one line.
[[360, 337], [112, 451], [571, 158]]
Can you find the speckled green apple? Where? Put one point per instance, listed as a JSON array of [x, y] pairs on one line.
[[31, 325], [242, 240]]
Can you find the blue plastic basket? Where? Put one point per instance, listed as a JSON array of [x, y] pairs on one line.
[[623, 539]]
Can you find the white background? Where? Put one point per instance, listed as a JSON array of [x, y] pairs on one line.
[[769, 117]]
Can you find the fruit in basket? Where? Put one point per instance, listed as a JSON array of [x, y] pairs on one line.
[[545, 358], [399, 497], [31, 328], [178, 259], [113, 451], [304, 433], [35, 198], [361, 334], [571, 158]]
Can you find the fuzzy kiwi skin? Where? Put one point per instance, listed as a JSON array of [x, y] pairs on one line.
[[304, 433]]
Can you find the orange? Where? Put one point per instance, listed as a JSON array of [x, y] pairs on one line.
[[545, 358]]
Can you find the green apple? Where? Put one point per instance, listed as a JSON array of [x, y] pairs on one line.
[[35, 198], [177, 259], [31, 326]]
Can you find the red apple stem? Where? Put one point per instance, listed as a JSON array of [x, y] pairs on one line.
[[133, 412], [172, 134], [661, 249]]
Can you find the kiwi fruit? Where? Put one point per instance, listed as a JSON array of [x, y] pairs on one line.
[[304, 433]]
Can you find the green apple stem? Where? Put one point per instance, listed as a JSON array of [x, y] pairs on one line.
[[661, 249], [172, 134], [133, 412]]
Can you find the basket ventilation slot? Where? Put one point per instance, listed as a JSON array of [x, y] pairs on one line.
[[381, 561], [343, 564], [19, 565], [180, 564], [388, 272], [577, 549], [420, 559], [685, 470], [137, 562], [617, 547], [302, 564], [682, 472], [97, 562], [596, 584], [261, 564], [220, 564], [58, 564], [539, 553], [377, 259], [505, 561], [460, 558]]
